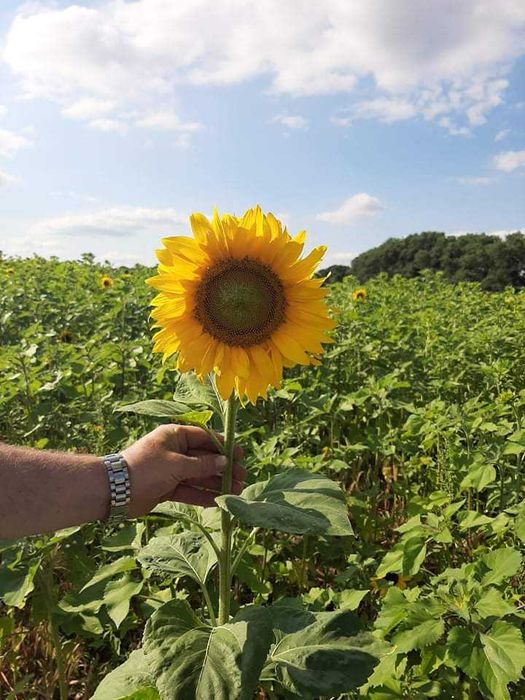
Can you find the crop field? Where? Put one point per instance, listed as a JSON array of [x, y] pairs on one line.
[[413, 424]]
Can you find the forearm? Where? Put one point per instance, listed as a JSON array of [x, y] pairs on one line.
[[43, 491]]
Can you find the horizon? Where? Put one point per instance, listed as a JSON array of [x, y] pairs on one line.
[[118, 119]]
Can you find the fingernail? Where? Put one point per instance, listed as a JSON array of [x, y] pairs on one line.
[[220, 461]]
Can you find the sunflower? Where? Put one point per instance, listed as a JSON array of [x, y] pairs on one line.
[[237, 300], [106, 281], [10, 271], [359, 294], [65, 336], [389, 580]]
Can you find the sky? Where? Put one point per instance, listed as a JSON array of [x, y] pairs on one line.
[[354, 120]]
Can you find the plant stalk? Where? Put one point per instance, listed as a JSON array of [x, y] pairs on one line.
[[46, 586], [226, 519]]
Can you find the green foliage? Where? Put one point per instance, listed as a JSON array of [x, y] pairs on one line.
[[413, 426], [294, 501], [494, 262]]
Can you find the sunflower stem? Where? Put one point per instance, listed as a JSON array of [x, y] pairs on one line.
[[226, 519]]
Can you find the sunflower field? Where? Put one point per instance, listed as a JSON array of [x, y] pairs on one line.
[[412, 426]]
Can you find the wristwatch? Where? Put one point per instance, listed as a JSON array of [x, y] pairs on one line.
[[119, 485]]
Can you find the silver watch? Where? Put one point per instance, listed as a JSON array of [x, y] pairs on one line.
[[119, 485]]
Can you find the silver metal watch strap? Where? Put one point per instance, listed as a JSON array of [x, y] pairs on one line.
[[120, 486]]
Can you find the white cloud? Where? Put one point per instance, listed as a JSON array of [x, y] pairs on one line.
[[359, 206], [137, 53], [113, 222], [342, 257], [8, 179], [509, 160], [118, 257], [502, 134], [474, 180], [386, 109], [3, 111], [89, 108], [291, 121], [11, 142], [342, 121], [109, 125], [167, 121]]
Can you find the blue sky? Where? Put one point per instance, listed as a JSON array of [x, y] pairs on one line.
[[357, 121]]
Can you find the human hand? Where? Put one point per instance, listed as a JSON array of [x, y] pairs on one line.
[[177, 463]]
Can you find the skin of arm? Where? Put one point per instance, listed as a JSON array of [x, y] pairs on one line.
[[43, 491]]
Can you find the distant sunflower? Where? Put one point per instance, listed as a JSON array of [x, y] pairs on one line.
[[359, 294], [106, 281], [65, 336], [10, 271], [237, 300], [389, 580]]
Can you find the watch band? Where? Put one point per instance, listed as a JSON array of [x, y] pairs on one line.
[[119, 485]]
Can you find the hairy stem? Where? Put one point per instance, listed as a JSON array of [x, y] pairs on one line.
[[46, 586], [226, 520]]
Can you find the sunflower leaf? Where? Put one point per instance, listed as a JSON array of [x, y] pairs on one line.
[[294, 501], [192, 660], [156, 408]]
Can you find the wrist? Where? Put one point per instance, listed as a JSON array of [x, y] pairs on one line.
[[119, 485]]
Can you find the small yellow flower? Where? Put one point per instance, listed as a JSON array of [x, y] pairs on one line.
[[65, 336], [383, 583], [359, 294], [106, 281], [10, 271]]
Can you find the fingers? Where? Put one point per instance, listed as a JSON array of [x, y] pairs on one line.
[[214, 483], [198, 467], [188, 437], [196, 497], [239, 472]]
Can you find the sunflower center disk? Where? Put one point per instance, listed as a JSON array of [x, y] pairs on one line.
[[240, 302]]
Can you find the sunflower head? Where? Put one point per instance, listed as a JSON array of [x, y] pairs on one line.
[[389, 580], [237, 300], [359, 294], [65, 336], [106, 282], [9, 271]]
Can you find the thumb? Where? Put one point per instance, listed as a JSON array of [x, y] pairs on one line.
[[202, 466]]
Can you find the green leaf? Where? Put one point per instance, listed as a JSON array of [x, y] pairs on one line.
[[128, 679], [327, 657], [471, 518], [505, 654], [119, 566], [519, 524], [351, 599], [199, 418], [188, 554], [419, 636], [17, 581], [393, 611], [503, 563], [414, 553], [494, 659], [117, 597], [479, 478], [392, 562], [294, 501], [191, 391], [127, 537], [492, 604], [191, 660], [157, 408]]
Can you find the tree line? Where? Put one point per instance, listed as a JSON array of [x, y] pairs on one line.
[[492, 261]]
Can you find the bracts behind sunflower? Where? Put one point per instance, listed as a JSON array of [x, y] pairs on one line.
[[236, 304]]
